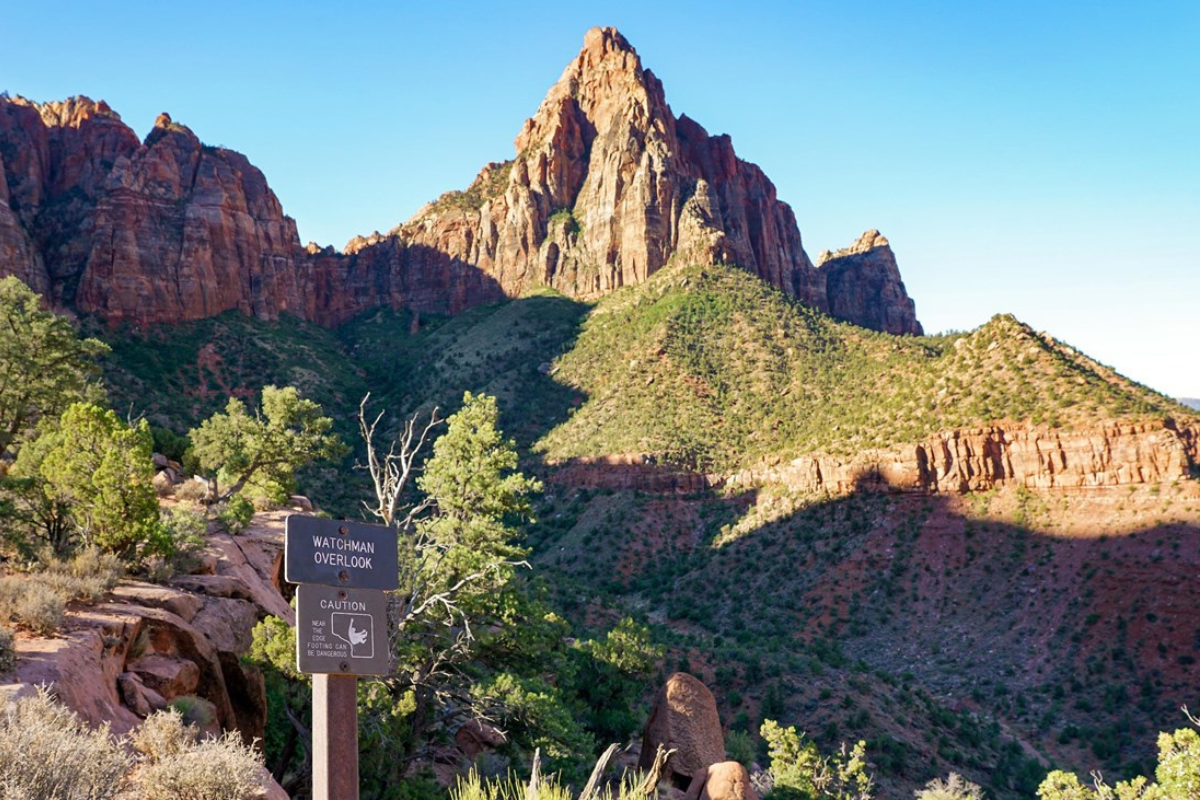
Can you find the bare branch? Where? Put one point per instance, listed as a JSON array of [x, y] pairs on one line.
[[391, 471]]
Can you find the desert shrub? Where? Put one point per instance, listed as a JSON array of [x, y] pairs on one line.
[[87, 576], [192, 490], [185, 530], [178, 766], [163, 735], [195, 711], [92, 562], [8, 656], [236, 514], [46, 751], [169, 443], [31, 604], [954, 787], [739, 748]]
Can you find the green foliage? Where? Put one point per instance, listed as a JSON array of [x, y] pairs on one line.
[[287, 433], [489, 184], [536, 713], [8, 656], [801, 772], [710, 368], [610, 676], [739, 747], [236, 514], [169, 443], [97, 470], [44, 365], [1176, 778], [273, 643]]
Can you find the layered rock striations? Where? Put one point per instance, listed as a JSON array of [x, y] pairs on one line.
[[954, 461], [607, 187]]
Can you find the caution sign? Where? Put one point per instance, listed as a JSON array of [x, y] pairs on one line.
[[331, 552], [341, 631]]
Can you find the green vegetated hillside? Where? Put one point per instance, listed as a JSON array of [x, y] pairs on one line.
[[711, 368], [910, 622]]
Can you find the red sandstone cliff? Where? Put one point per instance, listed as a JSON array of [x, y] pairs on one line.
[[607, 187], [967, 460]]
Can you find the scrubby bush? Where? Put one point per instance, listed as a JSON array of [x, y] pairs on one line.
[[178, 766], [184, 530], [954, 787], [37, 600], [799, 770], [46, 751], [236, 514], [31, 604], [8, 656], [192, 490]]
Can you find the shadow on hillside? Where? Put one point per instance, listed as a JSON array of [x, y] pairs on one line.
[[1068, 615], [507, 349]]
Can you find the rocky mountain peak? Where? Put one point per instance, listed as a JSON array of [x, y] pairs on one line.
[[72, 112], [868, 241], [606, 187], [864, 286]]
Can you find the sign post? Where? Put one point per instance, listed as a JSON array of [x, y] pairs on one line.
[[344, 570]]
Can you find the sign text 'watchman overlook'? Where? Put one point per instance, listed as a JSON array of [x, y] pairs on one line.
[[340, 553], [323, 547]]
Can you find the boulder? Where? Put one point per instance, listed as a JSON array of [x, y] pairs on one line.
[[726, 780], [139, 698], [476, 737], [684, 718], [163, 485], [170, 677]]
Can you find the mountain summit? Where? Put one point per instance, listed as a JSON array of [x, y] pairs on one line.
[[607, 187]]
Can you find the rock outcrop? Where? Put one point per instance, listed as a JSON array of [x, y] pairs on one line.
[[954, 461], [607, 186], [727, 780], [146, 645], [977, 459], [864, 287], [684, 718]]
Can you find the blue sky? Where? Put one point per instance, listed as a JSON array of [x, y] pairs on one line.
[[1039, 159]]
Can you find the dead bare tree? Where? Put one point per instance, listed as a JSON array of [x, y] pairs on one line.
[[391, 471]]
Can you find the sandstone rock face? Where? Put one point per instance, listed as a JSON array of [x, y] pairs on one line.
[[864, 286], [684, 717], [978, 459], [965, 460], [145, 645], [727, 780], [607, 187], [185, 231]]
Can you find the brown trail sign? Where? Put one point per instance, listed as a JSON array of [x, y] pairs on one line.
[[343, 569]]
